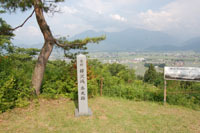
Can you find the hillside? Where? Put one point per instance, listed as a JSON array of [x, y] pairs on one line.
[[109, 115]]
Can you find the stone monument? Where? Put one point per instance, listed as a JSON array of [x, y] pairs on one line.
[[83, 109]]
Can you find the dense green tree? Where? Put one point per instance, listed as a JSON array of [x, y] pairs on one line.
[[153, 77], [128, 75], [39, 8], [150, 74], [159, 82], [115, 68]]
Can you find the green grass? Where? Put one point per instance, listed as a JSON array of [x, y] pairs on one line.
[[110, 115]]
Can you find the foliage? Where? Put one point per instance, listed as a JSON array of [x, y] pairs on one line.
[[71, 47], [15, 74], [153, 77], [150, 74], [5, 37], [183, 93], [135, 91], [24, 54], [24, 5], [60, 80], [15, 88]]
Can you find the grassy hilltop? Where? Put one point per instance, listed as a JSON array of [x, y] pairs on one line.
[[110, 115]]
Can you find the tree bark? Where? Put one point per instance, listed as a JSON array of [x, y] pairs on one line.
[[46, 49]]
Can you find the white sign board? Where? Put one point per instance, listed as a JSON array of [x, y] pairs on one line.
[[182, 73], [82, 87]]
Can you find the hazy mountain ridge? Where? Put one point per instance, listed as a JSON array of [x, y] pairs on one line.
[[189, 45], [192, 44], [135, 40], [128, 40]]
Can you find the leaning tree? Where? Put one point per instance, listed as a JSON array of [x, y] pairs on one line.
[[40, 7]]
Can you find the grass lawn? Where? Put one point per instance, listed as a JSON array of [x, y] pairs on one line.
[[110, 115]]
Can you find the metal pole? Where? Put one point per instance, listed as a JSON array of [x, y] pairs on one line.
[[165, 91]]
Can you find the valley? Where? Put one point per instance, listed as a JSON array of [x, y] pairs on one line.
[[140, 60]]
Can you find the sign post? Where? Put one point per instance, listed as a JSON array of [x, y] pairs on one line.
[[180, 73], [165, 91], [82, 87]]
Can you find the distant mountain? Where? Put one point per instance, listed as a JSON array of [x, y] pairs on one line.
[[163, 48], [135, 40], [192, 44], [128, 40], [189, 45]]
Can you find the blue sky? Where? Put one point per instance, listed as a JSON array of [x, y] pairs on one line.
[[179, 18]]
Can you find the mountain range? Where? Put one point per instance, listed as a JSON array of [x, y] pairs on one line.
[[137, 40], [189, 45]]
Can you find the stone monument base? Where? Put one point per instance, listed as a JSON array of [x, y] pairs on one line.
[[77, 114]]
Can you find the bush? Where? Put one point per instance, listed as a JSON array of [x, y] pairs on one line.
[[135, 91], [15, 83], [13, 94]]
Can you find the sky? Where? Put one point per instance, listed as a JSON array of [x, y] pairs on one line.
[[179, 18]]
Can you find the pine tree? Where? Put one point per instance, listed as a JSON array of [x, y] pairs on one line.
[[150, 74], [40, 7]]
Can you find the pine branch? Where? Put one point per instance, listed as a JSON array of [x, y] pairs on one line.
[[62, 42], [24, 21]]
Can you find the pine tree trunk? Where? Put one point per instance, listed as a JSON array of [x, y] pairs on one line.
[[46, 49], [40, 67]]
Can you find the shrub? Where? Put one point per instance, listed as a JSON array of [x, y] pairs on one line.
[[13, 94]]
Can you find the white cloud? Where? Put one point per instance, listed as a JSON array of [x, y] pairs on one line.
[[178, 17], [111, 29], [29, 30], [157, 20], [118, 17], [96, 5], [33, 31], [100, 12], [30, 33], [70, 26], [69, 10], [105, 6]]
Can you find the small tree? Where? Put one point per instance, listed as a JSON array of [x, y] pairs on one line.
[[150, 74]]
